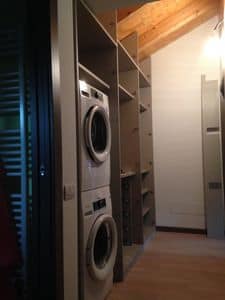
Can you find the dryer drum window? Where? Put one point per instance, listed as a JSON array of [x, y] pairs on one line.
[[98, 134], [102, 247]]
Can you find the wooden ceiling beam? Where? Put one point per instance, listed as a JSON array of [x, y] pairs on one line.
[[149, 15], [176, 25]]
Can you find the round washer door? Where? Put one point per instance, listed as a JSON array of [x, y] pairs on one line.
[[102, 247], [98, 134]]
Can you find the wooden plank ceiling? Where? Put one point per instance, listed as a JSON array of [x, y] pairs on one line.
[[162, 22]]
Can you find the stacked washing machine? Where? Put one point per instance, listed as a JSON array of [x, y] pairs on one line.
[[98, 234]]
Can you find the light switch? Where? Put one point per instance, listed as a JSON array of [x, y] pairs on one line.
[[69, 192]]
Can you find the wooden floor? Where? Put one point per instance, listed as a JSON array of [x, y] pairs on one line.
[[176, 266]]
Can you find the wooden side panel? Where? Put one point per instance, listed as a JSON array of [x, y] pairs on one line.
[[109, 21], [131, 44]]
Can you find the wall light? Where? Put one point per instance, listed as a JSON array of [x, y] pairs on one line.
[[215, 45]]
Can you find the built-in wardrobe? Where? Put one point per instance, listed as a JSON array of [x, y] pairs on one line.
[[113, 67]]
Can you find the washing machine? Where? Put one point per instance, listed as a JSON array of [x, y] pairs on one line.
[[98, 241], [95, 138]]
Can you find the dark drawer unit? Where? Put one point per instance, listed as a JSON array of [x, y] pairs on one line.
[[127, 210]]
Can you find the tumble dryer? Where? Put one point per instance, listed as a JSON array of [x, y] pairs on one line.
[[95, 138], [98, 244]]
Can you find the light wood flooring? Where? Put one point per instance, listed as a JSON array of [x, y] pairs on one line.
[[176, 266]]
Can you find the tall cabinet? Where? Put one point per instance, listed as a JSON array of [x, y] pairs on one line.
[[113, 67]]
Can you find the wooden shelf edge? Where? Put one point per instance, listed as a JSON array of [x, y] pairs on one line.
[[92, 79], [99, 24], [132, 63], [145, 171], [124, 94], [143, 107], [145, 211], [145, 191], [144, 82], [127, 174]]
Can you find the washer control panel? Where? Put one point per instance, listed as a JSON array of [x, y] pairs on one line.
[[99, 204], [96, 201]]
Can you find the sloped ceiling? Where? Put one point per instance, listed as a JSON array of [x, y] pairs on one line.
[[160, 23]]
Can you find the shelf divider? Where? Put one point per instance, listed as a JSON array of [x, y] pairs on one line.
[[143, 80], [127, 174], [88, 76], [143, 107], [124, 94], [88, 23]]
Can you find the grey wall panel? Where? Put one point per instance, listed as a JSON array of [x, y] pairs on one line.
[[212, 162]]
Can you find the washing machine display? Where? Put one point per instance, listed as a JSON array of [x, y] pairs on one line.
[[95, 138], [102, 247], [98, 134]]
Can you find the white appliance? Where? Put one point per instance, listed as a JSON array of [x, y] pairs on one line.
[[95, 138], [98, 244]]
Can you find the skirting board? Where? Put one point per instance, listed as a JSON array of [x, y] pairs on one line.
[[181, 230]]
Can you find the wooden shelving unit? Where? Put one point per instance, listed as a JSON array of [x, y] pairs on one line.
[[135, 127], [146, 144], [97, 66]]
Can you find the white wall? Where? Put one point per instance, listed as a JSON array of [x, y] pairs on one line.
[[176, 91]]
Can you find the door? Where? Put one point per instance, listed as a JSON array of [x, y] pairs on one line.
[[26, 141]]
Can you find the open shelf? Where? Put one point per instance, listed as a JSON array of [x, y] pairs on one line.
[[127, 174], [124, 94], [126, 62], [89, 77], [91, 33], [145, 191], [143, 80], [143, 107]]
